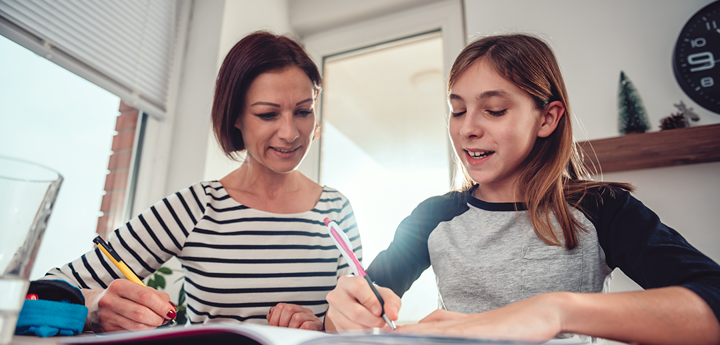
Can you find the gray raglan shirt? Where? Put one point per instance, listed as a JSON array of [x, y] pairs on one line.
[[486, 255]]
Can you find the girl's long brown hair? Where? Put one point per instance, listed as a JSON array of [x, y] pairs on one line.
[[553, 175]]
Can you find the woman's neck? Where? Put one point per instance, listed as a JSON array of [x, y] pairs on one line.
[[258, 180]]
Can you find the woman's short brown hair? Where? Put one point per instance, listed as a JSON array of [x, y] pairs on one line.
[[256, 53]]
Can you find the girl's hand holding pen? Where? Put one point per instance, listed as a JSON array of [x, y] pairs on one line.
[[353, 305], [125, 305]]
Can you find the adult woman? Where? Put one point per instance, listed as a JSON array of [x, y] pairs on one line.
[[523, 250], [253, 245]]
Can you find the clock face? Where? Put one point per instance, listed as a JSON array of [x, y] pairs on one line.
[[696, 60]]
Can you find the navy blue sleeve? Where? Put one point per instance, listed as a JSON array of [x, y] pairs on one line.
[[649, 252], [407, 257]]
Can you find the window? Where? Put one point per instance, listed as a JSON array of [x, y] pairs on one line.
[[53, 117], [126, 47]]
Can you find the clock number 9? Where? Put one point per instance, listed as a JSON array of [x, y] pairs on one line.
[[705, 58]]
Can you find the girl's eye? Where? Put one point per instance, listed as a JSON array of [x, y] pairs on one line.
[[461, 113], [497, 113]]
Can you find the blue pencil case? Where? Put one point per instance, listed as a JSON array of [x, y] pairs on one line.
[[60, 310]]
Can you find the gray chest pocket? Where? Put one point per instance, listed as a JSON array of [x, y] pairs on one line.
[[551, 268]]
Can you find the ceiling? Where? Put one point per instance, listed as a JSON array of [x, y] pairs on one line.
[[311, 16]]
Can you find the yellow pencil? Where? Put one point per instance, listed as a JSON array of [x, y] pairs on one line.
[[115, 259]]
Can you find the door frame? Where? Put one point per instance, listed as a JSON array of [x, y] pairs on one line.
[[446, 16]]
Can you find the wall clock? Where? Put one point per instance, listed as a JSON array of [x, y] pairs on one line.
[[696, 59]]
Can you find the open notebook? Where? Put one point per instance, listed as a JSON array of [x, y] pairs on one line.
[[251, 334]]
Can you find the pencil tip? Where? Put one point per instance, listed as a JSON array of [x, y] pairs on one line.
[[391, 323]]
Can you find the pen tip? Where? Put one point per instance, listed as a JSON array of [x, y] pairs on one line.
[[327, 221], [97, 240]]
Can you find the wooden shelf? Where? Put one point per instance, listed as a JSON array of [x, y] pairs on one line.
[[680, 146]]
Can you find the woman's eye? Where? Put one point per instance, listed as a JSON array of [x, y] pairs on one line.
[[497, 113], [266, 116], [304, 113], [461, 113]]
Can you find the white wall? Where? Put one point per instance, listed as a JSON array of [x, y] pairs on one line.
[[686, 198], [194, 100], [173, 155], [593, 41]]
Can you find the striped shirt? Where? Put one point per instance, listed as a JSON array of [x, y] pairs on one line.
[[238, 261]]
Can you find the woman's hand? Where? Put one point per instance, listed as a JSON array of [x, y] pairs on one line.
[[125, 305], [533, 319], [293, 316], [353, 305]]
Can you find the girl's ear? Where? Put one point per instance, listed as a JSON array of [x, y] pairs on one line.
[[551, 116]]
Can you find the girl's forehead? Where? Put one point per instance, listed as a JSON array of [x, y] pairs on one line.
[[480, 77]]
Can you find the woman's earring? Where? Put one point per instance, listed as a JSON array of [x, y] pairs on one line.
[[317, 131]]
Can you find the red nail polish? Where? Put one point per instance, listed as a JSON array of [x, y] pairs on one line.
[[32, 296], [173, 305], [171, 314], [165, 322]]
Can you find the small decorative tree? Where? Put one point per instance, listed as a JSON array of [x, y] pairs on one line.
[[632, 117]]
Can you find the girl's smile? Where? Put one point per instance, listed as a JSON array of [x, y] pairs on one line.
[[476, 157]]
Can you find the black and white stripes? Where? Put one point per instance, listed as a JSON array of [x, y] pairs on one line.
[[238, 261]]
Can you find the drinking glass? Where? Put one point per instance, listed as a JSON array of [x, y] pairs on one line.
[[27, 194]]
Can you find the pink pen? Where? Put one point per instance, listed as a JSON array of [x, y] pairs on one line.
[[345, 246]]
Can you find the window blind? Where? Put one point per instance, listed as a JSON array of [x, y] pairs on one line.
[[125, 47]]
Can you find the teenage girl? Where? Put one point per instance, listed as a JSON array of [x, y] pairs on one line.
[[525, 250]]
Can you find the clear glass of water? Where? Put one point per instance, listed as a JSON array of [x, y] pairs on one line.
[[27, 195]]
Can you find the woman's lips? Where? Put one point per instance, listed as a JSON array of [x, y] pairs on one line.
[[285, 152]]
